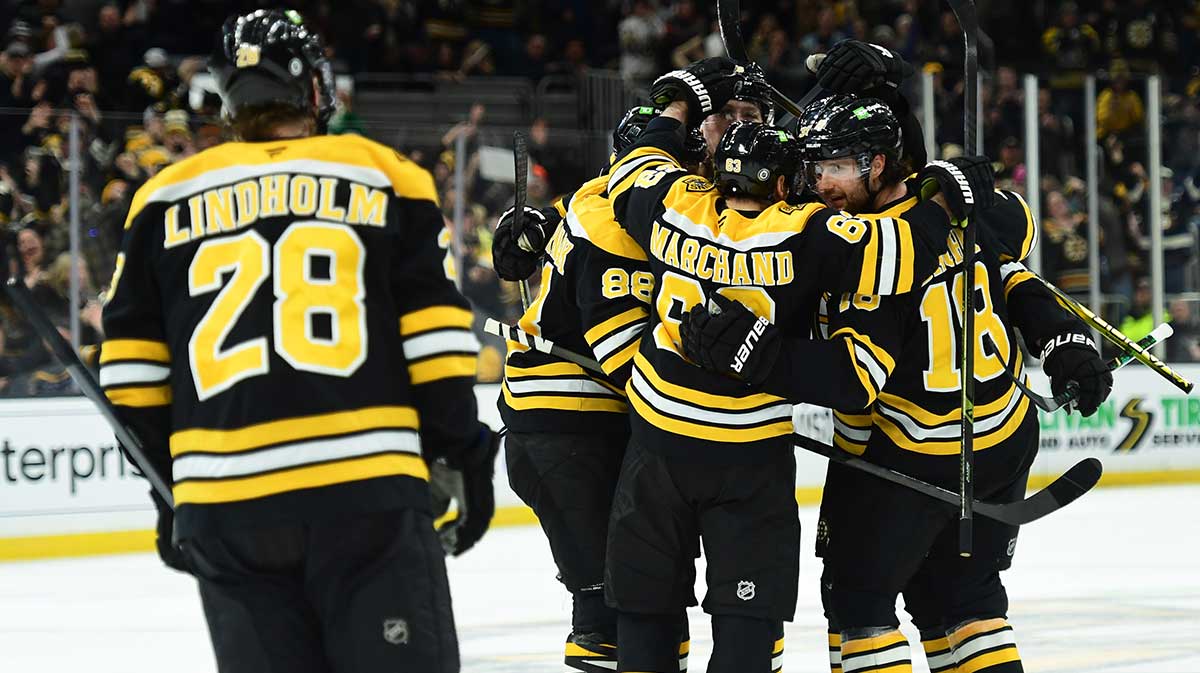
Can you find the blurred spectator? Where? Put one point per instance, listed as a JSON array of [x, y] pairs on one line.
[[825, 36], [1184, 344], [1056, 136], [1118, 109], [1139, 320], [1065, 246], [1143, 33], [639, 34], [32, 253], [1073, 47], [1011, 172]]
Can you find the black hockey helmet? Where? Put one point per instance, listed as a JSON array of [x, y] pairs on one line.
[[843, 125], [630, 128], [750, 158], [752, 87], [269, 56], [695, 150]]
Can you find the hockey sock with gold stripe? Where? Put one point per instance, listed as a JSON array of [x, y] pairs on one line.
[[777, 649], [835, 652], [985, 645], [937, 652], [886, 652]]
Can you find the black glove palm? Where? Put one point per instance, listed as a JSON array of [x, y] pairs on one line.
[[517, 257], [855, 67], [968, 183], [730, 339], [1073, 357], [705, 85]]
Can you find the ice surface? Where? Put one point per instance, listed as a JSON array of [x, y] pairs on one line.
[[1111, 583]]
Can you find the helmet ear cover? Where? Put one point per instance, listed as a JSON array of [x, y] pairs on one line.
[[269, 57]]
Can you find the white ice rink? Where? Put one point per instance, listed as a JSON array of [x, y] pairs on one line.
[[1111, 583]]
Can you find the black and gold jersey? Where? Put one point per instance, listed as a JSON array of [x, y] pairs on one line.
[[284, 332], [595, 290], [914, 424], [777, 262]]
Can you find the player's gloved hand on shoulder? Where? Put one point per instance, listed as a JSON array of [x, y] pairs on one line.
[[705, 86], [164, 530], [727, 338], [467, 481], [518, 257], [967, 183], [856, 67], [1072, 357]]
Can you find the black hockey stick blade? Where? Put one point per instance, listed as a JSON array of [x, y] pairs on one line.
[[520, 176], [1066, 489], [27, 305], [512, 333], [1061, 492]]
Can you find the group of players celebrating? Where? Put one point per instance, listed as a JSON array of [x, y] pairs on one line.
[[722, 269], [285, 336]]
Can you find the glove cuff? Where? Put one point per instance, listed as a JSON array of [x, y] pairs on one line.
[[1069, 339]]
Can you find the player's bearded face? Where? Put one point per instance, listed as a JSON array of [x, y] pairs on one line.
[[839, 184], [714, 125]]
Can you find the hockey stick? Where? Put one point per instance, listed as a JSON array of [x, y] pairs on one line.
[[1050, 404], [520, 175], [1072, 484], [26, 304], [1123, 342], [512, 333], [1061, 492], [964, 11], [729, 21]]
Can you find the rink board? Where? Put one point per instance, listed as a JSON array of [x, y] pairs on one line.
[[66, 491]]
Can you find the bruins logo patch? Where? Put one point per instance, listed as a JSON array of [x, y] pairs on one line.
[[697, 184]]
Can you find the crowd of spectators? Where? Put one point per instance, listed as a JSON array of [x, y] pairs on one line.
[[122, 72]]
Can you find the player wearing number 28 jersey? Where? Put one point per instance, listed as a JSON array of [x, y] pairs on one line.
[[285, 335]]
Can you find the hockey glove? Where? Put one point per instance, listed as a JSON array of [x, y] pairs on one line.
[[468, 482], [854, 67], [967, 183], [1072, 357], [517, 257], [728, 338], [705, 86], [164, 530]]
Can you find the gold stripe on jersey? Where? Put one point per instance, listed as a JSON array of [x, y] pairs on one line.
[[446, 367], [692, 413], [114, 350], [615, 340], [351, 157], [611, 325], [989, 430], [140, 396], [1029, 241], [625, 172], [1013, 274], [296, 429], [851, 432], [204, 492], [592, 219], [435, 318], [701, 398], [562, 386], [888, 257]]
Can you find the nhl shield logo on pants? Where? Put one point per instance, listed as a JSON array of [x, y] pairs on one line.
[[745, 590], [395, 631]]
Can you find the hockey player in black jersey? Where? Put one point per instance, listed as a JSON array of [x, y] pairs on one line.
[[568, 427], [284, 336], [877, 539], [708, 460]]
